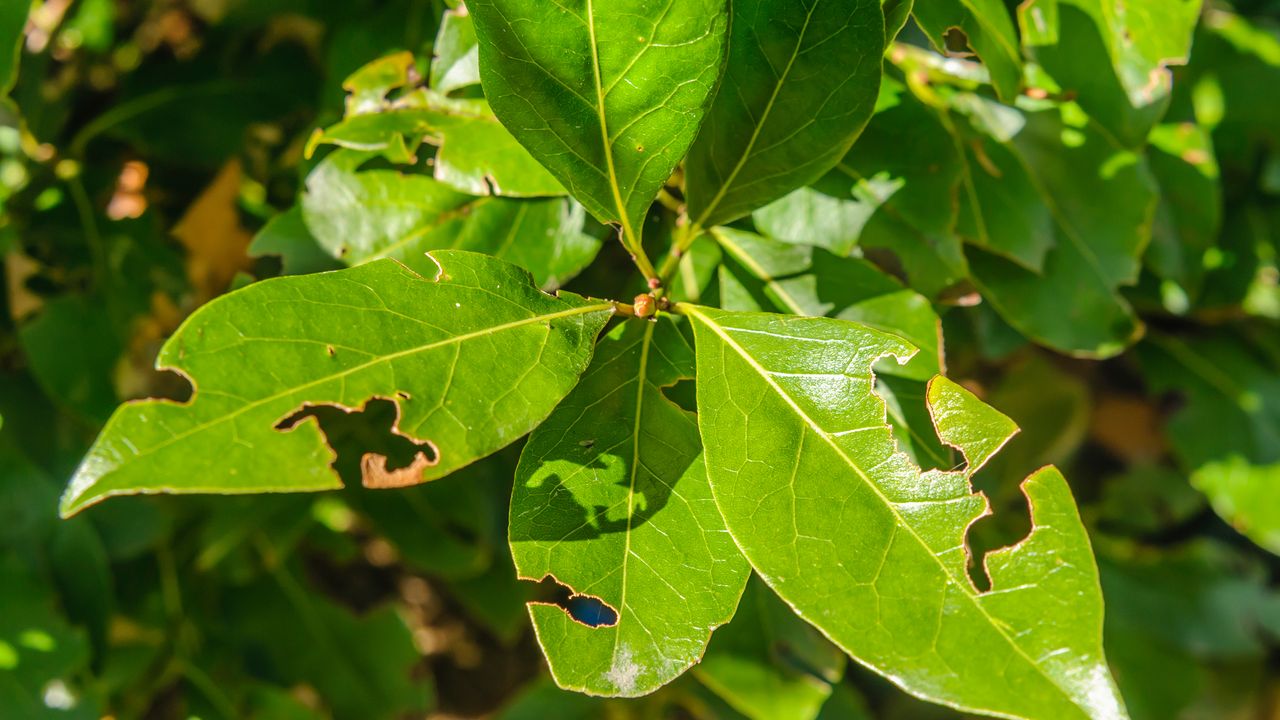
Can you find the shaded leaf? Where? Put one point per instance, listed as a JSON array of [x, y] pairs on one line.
[[360, 666], [799, 84], [611, 499], [607, 94], [906, 173], [286, 236], [1189, 217], [1110, 56], [13, 18], [1101, 199], [38, 650], [438, 349], [769, 664], [1226, 434], [872, 550], [984, 26]]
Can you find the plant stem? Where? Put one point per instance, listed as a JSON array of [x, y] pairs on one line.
[[638, 256], [685, 236]]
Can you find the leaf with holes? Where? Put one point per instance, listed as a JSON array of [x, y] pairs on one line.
[[359, 216], [813, 282], [872, 550], [981, 26], [388, 114], [1110, 56], [611, 499], [474, 359], [799, 86], [1071, 237], [607, 94]]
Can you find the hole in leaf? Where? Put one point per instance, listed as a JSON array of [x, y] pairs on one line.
[[957, 42], [370, 449], [684, 394], [586, 609]]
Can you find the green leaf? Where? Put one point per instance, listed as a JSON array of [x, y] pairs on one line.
[[456, 61], [799, 85], [13, 18], [363, 215], [1112, 57], [904, 172], [1101, 199], [359, 216], [769, 664], [475, 153], [985, 28], [1245, 494], [286, 236], [896, 15], [1190, 213], [607, 94], [809, 216], [815, 283], [872, 550], [474, 360], [1227, 433], [611, 499], [967, 424]]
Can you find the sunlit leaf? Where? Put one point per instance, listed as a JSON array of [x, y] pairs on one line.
[[607, 94], [872, 550], [611, 500], [256, 357]]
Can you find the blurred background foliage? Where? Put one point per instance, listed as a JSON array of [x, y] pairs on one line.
[[154, 154]]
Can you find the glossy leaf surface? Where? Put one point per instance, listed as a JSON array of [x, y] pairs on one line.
[[607, 94], [812, 282], [872, 550], [611, 499], [437, 348], [800, 83]]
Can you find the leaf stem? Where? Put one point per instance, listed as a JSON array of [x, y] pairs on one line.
[[686, 234], [639, 257]]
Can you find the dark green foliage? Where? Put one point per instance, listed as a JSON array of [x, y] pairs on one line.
[[416, 445]]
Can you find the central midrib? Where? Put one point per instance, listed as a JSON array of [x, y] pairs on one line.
[[604, 128], [641, 381], [764, 374], [764, 118], [583, 310]]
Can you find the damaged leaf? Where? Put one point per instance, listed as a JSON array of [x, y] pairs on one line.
[[474, 359], [611, 499], [985, 29], [1112, 57], [872, 550]]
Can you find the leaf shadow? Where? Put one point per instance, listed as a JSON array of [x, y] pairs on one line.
[[561, 517]]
